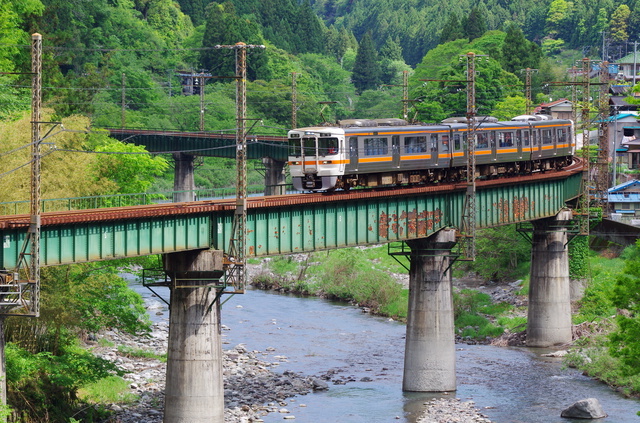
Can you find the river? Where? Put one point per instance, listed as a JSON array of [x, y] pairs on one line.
[[509, 385]]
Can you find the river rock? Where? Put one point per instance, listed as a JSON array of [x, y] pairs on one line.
[[589, 408]]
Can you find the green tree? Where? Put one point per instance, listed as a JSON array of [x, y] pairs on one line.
[[194, 9], [625, 342], [620, 23], [519, 53], [366, 71], [510, 107], [452, 30], [557, 16], [475, 24], [225, 27], [132, 171], [13, 15]]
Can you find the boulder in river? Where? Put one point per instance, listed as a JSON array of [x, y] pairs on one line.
[[589, 408]]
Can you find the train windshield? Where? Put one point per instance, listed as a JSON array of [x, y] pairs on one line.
[[326, 146]]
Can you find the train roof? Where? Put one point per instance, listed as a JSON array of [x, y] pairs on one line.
[[375, 127]]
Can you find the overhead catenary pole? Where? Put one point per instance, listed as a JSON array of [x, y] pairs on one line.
[[34, 227], [602, 178], [527, 88], [237, 245], [469, 213], [584, 201]]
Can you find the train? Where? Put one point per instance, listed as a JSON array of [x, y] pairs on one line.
[[391, 152]]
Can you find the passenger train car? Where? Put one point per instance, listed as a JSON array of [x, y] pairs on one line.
[[371, 153]]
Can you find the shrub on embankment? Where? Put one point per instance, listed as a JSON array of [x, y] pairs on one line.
[[608, 322], [367, 278], [46, 366]]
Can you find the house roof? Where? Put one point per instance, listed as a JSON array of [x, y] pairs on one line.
[[555, 103], [619, 89], [629, 58], [624, 186]]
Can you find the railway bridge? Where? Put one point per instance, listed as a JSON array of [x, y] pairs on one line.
[[192, 236]]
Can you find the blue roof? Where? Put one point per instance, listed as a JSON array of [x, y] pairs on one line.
[[622, 186]]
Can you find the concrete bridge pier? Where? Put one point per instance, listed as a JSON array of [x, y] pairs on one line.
[[429, 358], [183, 178], [549, 318], [274, 177], [194, 390]]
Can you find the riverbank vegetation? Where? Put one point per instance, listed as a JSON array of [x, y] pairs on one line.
[[606, 318]]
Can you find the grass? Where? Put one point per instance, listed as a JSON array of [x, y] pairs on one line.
[[363, 277], [140, 353], [113, 389]]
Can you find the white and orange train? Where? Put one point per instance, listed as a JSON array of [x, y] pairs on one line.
[[370, 153]]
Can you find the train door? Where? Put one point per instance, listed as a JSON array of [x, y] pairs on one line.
[[353, 153], [494, 145], [536, 144], [395, 151], [519, 143]]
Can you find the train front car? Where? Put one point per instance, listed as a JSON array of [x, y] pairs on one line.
[[316, 158]]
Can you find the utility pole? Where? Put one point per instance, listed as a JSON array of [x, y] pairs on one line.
[[294, 101], [635, 61], [235, 265], [527, 87], [201, 101], [405, 95], [123, 120]]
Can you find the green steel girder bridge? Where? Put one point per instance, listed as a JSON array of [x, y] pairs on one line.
[[205, 143], [287, 224]]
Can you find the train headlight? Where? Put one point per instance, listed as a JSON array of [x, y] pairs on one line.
[[295, 163], [327, 162]]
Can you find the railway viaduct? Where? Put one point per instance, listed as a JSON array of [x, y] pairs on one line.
[[192, 235]]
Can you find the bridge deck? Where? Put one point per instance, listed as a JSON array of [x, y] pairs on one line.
[[287, 224]]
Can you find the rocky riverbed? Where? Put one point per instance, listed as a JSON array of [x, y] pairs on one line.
[[253, 387]]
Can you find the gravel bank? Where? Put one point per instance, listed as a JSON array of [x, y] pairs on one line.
[[253, 387]]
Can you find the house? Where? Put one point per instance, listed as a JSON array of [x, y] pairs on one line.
[[629, 67], [624, 202], [559, 109]]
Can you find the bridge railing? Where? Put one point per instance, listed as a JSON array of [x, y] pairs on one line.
[[118, 200]]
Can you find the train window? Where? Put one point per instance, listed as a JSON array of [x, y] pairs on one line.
[[525, 138], [309, 146], [534, 138], [465, 137], [546, 136], [415, 144], [294, 147], [492, 138], [434, 142], [562, 135], [375, 146], [328, 146], [456, 142], [505, 139], [482, 140], [445, 142]]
